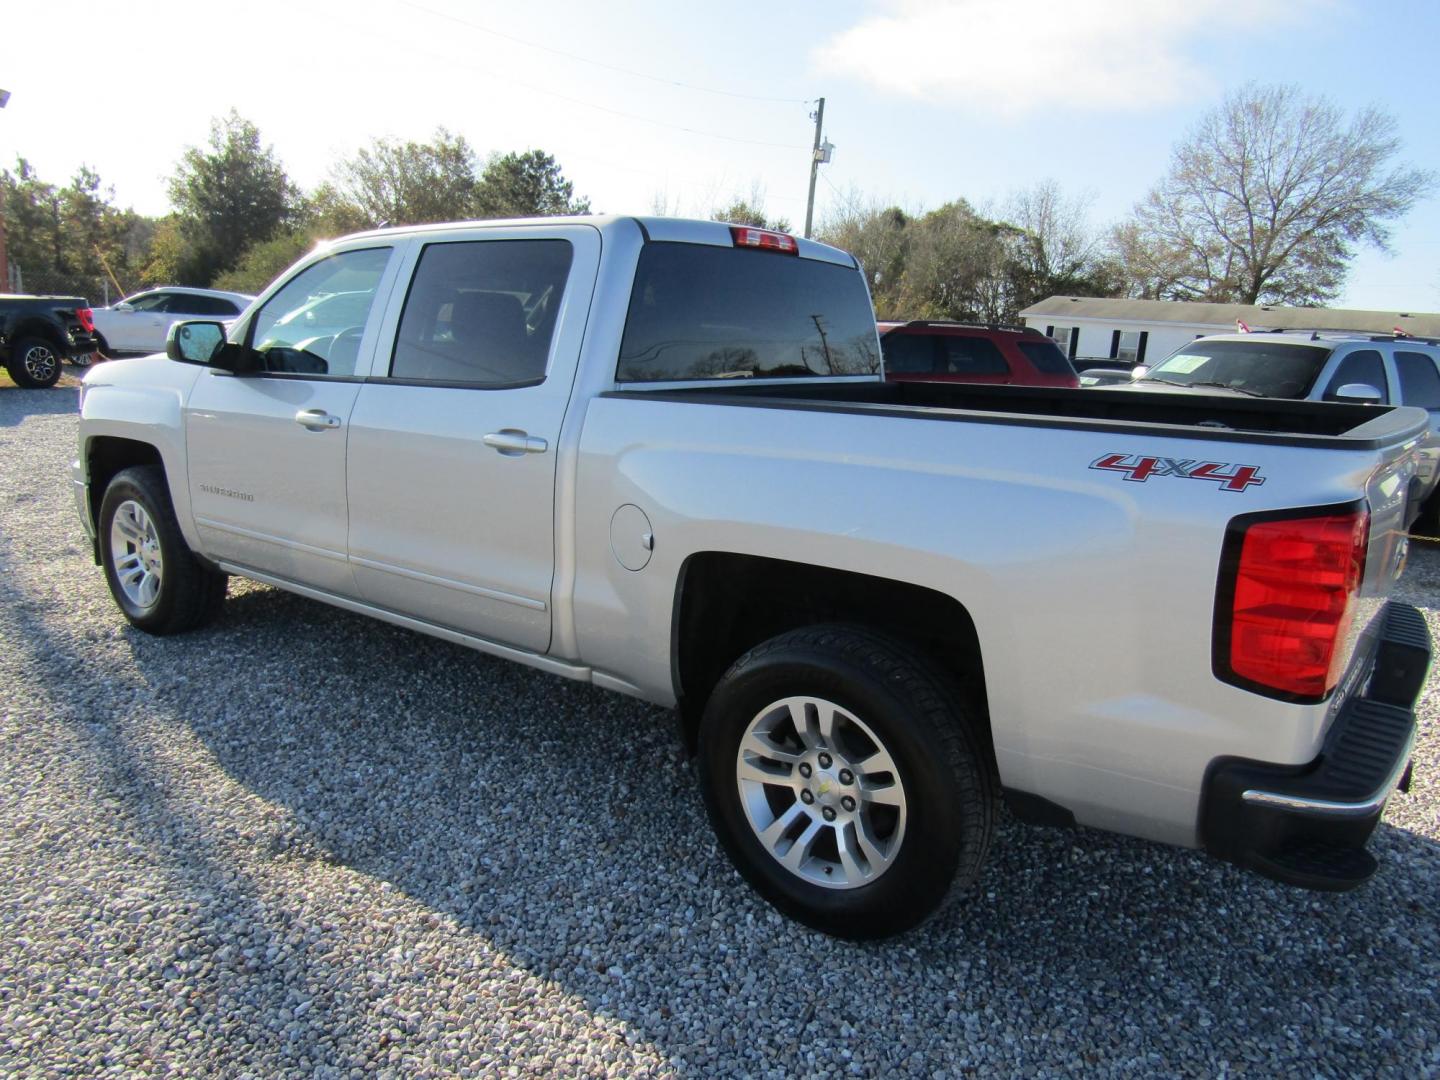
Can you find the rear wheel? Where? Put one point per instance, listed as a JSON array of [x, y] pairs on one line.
[[155, 579], [34, 363], [844, 781]]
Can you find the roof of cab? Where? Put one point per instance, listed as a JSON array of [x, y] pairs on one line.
[[657, 229]]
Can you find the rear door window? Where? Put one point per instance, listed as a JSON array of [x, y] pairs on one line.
[[699, 311], [1364, 366], [1419, 380], [972, 356], [209, 305], [481, 313]]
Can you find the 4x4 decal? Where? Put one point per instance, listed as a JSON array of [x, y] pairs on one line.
[[1140, 467]]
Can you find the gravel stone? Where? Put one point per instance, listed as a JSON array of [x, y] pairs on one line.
[[300, 842]]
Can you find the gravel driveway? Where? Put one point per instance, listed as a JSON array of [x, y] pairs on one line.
[[301, 842]]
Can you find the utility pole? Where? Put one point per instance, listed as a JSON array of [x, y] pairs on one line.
[[817, 155]]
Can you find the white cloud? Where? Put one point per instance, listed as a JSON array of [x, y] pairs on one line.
[[1017, 56]]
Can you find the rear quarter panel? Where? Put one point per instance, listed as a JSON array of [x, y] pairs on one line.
[[1093, 596]]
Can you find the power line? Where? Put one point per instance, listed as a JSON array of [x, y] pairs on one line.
[[510, 82], [599, 63], [642, 119]]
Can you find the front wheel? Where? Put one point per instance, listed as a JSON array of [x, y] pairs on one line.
[[844, 781], [154, 578], [34, 363]]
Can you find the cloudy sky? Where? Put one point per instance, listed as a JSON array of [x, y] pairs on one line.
[[654, 103]]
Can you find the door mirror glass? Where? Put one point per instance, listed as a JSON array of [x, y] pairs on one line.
[[194, 342], [1360, 393]]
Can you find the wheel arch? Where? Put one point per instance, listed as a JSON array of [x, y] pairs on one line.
[[725, 603], [38, 328], [108, 455]]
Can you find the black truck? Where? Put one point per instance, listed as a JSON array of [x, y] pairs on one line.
[[37, 333]]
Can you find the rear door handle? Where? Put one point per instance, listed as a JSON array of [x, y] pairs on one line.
[[316, 419], [512, 442]]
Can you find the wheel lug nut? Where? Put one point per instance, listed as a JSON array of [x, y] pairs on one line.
[[824, 761], [807, 796], [846, 776], [805, 769], [848, 803], [829, 813]]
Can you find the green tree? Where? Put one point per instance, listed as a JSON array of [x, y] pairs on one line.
[[879, 237], [1267, 199], [228, 195], [961, 265], [166, 254], [34, 238], [526, 185], [749, 210], [262, 263], [63, 239], [409, 183]]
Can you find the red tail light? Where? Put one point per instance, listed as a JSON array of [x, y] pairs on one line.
[[744, 236], [1287, 596], [87, 319]]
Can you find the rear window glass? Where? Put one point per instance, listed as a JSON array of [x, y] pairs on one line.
[[704, 312], [1047, 357], [1268, 368], [1419, 381], [972, 356]]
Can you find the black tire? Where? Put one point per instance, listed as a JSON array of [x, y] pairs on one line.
[[1428, 522], [34, 363], [102, 346], [189, 594], [947, 787]]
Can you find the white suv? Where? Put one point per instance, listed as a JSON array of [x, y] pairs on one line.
[[1316, 365], [139, 323]]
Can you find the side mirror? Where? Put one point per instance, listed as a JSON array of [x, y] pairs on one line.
[[1359, 393], [124, 305], [1103, 377], [194, 342]]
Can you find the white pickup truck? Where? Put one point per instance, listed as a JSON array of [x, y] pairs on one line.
[[659, 456]]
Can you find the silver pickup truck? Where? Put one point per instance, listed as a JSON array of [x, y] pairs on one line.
[[659, 456]]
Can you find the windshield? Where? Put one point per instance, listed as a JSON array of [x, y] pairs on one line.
[[704, 312], [1281, 369]]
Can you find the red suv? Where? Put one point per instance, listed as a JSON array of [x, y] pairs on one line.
[[964, 352]]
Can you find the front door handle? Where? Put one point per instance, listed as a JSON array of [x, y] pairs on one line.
[[513, 442], [316, 419]]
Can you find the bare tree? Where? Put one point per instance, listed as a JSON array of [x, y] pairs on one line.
[[1266, 199], [1059, 241]]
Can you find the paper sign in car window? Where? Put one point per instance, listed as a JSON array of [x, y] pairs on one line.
[[1183, 363]]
